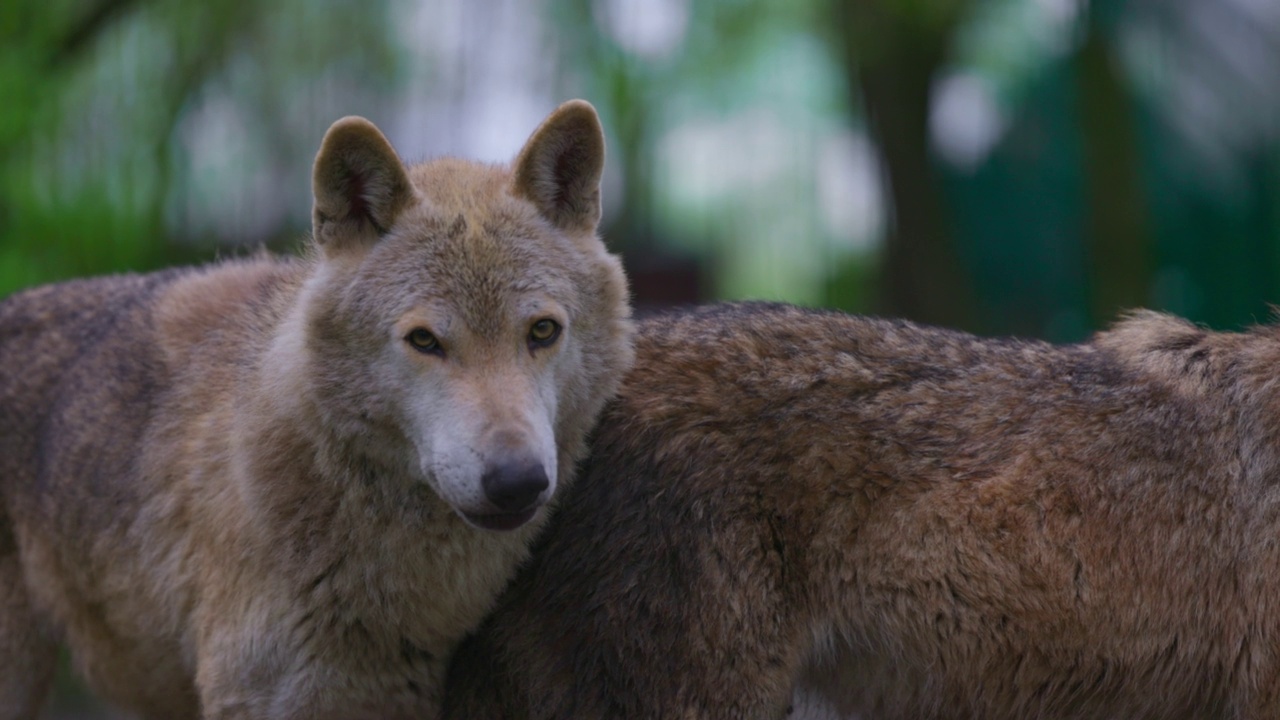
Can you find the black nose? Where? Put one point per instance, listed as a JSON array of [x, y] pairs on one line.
[[512, 487]]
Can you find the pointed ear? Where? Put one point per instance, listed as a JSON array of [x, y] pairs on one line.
[[560, 166], [359, 183]]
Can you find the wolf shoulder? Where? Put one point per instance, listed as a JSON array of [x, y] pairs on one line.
[[92, 359]]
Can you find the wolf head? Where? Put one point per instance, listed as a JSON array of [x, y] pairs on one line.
[[464, 324]]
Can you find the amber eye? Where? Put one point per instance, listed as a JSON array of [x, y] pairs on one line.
[[422, 340], [544, 332]]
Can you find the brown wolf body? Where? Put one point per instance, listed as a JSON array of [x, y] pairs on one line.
[[251, 490], [912, 522]]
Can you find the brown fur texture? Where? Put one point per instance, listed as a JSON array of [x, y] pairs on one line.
[[915, 523], [239, 491]]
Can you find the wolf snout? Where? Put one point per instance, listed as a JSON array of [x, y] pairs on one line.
[[513, 487]]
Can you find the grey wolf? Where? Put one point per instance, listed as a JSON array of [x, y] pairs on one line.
[[269, 488], [907, 522]]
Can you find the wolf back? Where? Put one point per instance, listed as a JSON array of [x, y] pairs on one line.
[[910, 523]]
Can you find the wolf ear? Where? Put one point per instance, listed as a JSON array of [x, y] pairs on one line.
[[559, 168], [359, 183]]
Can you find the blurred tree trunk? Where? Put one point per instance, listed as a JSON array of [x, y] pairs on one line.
[[893, 50], [658, 277], [85, 30], [1118, 240]]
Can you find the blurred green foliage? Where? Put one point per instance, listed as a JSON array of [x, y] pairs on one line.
[[1008, 166], [93, 166]]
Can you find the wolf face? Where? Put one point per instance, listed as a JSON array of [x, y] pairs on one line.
[[452, 309]]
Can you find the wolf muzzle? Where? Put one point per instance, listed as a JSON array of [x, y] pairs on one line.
[[511, 492], [514, 487]]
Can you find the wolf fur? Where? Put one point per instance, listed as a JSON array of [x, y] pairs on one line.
[[911, 522], [250, 490]]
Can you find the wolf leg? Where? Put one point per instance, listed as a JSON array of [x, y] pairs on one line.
[[28, 652]]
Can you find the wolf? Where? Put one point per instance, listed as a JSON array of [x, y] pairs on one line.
[[286, 488], [907, 522]]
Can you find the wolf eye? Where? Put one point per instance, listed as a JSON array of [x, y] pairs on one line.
[[544, 332], [422, 340]]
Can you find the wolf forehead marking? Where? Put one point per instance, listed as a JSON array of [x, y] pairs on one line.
[[458, 227], [483, 277], [505, 246], [523, 292], [493, 270]]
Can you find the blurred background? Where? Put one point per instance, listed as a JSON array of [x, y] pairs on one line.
[[1004, 166], [1027, 167]]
